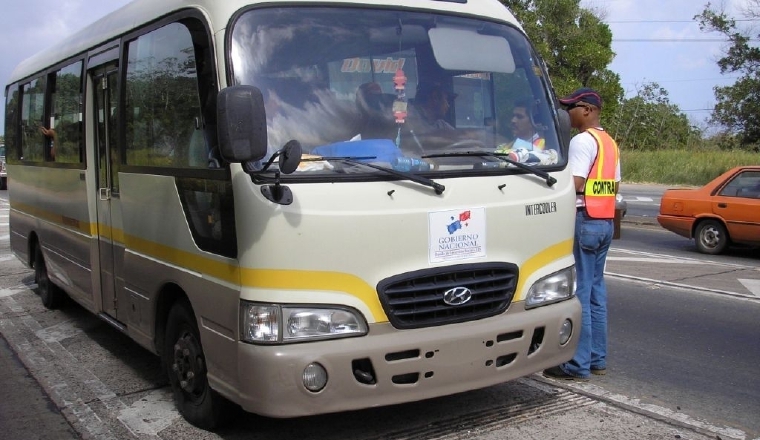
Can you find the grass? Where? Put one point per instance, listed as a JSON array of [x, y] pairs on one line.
[[681, 167]]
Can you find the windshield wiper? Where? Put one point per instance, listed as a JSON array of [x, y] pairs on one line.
[[550, 181], [439, 189]]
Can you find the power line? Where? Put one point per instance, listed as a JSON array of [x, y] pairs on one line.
[[646, 80], [667, 21], [674, 40], [699, 79]]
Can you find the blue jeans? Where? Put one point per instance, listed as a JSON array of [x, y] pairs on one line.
[[592, 241]]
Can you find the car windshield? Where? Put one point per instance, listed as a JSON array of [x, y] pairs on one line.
[[395, 88]]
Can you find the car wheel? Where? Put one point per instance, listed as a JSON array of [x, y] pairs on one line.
[[51, 295], [711, 237], [185, 365]]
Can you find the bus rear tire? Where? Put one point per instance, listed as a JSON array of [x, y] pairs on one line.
[[50, 294], [185, 364]]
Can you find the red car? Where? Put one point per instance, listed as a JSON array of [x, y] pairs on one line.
[[725, 211]]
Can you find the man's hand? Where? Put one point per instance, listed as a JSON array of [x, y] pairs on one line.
[[49, 132]]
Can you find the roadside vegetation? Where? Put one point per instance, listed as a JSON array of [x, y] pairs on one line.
[[681, 167]]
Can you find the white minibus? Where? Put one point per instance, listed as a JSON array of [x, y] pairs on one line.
[[302, 207]]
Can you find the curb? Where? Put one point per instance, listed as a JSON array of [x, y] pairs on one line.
[[665, 415]]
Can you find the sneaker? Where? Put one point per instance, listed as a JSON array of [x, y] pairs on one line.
[[559, 373], [598, 371]]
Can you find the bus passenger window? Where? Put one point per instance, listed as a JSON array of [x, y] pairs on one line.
[[33, 141], [12, 123], [66, 114], [162, 103]]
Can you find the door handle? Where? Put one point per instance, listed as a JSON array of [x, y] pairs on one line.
[[722, 205], [105, 193]]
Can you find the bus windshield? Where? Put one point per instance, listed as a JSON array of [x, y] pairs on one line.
[[396, 87]]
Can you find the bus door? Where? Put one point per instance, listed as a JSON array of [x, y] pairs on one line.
[[110, 240]]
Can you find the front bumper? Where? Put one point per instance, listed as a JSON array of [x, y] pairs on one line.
[[409, 365]]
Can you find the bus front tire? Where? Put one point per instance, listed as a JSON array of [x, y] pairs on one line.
[[185, 365], [50, 294]]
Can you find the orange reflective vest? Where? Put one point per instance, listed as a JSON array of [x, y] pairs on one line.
[[599, 193]]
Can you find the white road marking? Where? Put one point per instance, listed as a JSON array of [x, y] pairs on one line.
[[650, 260], [752, 285], [647, 257], [686, 259], [689, 287]]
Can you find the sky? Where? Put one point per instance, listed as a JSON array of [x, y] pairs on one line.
[[659, 41], [654, 41]]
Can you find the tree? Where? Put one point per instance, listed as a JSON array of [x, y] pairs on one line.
[[577, 48], [575, 44], [649, 121], [738, 106]]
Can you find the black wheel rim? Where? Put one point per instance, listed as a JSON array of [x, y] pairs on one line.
[[188, 366]]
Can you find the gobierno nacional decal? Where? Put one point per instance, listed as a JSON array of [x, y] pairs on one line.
[[457, 235]]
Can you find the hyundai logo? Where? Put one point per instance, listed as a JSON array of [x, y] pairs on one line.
[[457, 296]]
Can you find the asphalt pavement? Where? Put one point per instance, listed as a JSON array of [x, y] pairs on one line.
[[26, 411], [705, 274]]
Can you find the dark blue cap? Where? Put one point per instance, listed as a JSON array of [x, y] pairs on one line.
[[584, 94]]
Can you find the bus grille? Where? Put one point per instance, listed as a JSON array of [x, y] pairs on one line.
[[416, 299]]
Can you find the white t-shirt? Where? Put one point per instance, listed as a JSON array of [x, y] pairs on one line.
[[581, 156]]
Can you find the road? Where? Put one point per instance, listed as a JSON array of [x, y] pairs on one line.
[[689, 352], [643, 200], [682, 365]]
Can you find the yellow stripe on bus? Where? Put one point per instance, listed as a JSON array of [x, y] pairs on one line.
[[61, 220], [540, 260], [276, 278], [316, 280]]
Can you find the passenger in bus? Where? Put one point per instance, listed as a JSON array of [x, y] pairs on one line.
[[50, 134], [528, 146], [432, 104], [376, 120], [524, 126]]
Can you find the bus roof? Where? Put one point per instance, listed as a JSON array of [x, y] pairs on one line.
[[140, 12]]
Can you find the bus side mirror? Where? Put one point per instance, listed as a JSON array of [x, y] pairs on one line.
[[242, 124], [564, 128]]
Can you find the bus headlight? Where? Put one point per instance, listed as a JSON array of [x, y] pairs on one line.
[[556, 287], [275, 323]]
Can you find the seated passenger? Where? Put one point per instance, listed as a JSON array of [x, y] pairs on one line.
[[376, 120], [528, 146], [432, 103], [524, 126]]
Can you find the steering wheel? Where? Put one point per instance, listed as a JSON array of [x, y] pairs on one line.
[[465, 143]]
